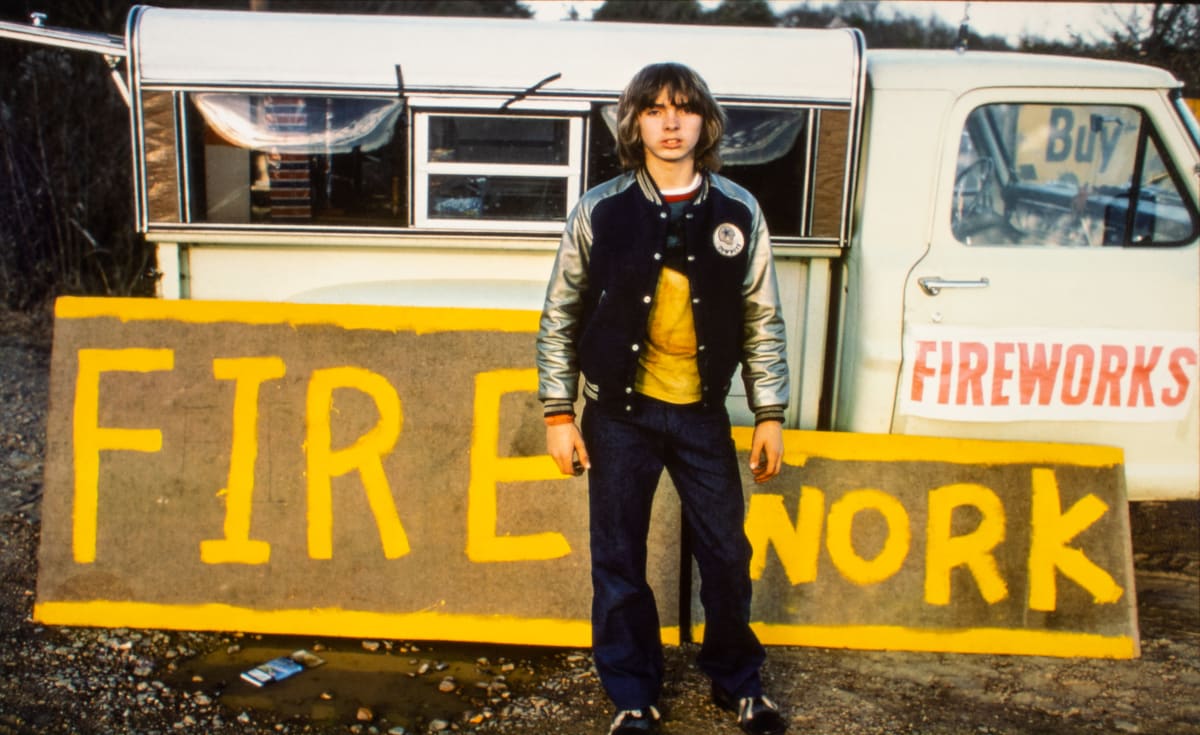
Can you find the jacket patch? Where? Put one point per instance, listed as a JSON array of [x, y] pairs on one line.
[[728, 240]]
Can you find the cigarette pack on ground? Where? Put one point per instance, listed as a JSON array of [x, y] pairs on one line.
[[273, 670]]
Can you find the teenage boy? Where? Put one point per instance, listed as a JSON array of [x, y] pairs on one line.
[[663, 284]]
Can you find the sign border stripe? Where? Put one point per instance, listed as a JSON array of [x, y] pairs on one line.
[[569, 633], [421, 320], [800, 445]]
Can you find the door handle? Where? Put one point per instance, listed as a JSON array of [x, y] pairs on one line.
[[933, 285]]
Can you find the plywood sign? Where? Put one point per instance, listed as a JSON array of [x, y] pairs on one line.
[[917, 543], [380, 472], [312, 469]]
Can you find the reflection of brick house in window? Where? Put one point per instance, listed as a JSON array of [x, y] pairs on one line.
[[288, 176]]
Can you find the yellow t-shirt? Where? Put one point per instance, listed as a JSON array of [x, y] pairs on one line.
[[667, 366]]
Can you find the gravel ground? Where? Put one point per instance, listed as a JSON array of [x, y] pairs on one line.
[[92, 680]]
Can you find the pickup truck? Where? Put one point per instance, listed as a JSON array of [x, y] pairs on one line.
[[969, 244]]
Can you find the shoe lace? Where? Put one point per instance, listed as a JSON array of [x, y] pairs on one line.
[[636, 714], [747, 708]]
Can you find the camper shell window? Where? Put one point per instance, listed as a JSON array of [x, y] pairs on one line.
[[793, 159], [283, 160], [295, 159], [497, 172]]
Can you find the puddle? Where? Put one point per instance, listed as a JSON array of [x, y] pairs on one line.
[[406, 684]]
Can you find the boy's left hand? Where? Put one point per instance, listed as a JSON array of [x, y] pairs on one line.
[[766, 450]]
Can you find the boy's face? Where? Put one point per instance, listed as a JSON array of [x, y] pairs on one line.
[[669, 132]]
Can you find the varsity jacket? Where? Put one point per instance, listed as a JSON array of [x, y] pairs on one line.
[[603, 284]]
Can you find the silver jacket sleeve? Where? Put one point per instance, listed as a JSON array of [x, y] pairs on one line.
[[764, 337], [557, 363]]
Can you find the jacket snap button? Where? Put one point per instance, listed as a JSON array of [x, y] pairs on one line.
[[635, 348], [658, 256], [628, 408], [662, 215], [645, 299]]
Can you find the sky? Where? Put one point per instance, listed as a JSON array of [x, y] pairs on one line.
[[1012, 20]]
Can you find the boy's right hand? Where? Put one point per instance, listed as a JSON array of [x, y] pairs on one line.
[[565, 446]]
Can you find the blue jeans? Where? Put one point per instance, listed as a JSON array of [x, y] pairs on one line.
[[628, 452]]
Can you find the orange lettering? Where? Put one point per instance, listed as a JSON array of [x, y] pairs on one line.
[[1113, 361], [1080, 359], [947, 366], [921, 369], [1001, 373], [972, 364], [1139, 377], [1179, 356], [1039, 373]]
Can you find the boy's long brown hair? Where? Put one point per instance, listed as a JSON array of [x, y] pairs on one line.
[[685, 88]]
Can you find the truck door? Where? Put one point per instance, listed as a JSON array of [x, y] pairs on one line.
[[1058, 299]]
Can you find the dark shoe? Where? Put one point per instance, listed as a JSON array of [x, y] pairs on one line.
[[755, 715], [635, 721]]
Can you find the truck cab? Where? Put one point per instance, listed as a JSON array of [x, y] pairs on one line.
[[1024, 261]]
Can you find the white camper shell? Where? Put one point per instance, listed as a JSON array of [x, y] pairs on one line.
[[968, 244], [433, 161]]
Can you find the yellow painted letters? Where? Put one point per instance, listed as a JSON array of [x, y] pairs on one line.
[[798, 546], [944, 552], [488, 470], [249, 373], [1051, 530], [90, 438], [365, 455], [840, 540]]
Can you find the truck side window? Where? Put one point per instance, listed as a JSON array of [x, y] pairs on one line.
[[295, 159], [1066, 175]]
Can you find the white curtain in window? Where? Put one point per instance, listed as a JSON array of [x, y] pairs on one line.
[[319, 125]]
